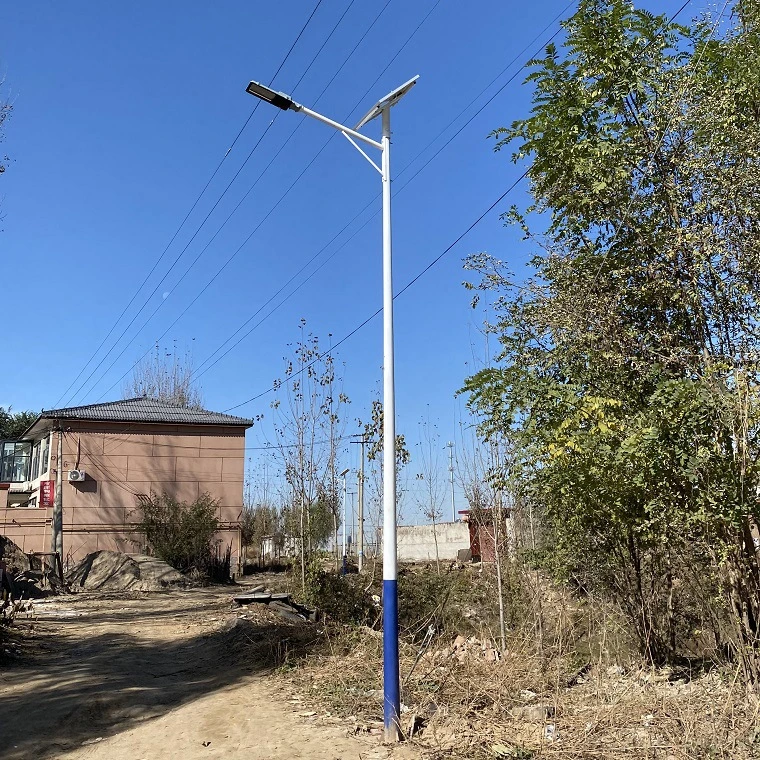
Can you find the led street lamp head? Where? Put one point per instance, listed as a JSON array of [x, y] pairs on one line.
[[267, 94]]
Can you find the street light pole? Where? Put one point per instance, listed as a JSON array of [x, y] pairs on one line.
[[345, 502], [451, 477], [391, 691]]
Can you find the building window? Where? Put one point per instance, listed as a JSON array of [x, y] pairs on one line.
[[15, 461], [36, 461], [44, 459]]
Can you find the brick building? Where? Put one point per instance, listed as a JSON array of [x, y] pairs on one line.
[[112, 452]]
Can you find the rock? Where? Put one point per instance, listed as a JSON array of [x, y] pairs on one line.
[[533, 713], [616, 670]]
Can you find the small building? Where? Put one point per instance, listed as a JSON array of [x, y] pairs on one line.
[[483, 534], [111, 454]]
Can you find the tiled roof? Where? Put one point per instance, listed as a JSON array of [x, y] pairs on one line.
[[144, 410]]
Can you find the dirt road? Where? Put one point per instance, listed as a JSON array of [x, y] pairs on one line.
[[155, 676]]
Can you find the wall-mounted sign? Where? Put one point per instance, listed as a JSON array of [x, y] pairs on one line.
[[47, 493]]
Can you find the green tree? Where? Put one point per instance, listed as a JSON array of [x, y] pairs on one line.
[[14, 424], [628, 377]]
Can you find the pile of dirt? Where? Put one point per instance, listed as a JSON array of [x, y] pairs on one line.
[[16, 561], [115, 571]]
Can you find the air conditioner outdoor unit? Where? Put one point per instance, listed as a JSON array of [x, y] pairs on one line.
[[76, 476]]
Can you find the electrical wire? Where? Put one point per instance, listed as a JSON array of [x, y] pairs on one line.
[[403, 290], [192, 208], [200, 371], [203, 223], [271, 210], [431, 264]]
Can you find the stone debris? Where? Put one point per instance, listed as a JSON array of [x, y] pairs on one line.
[[533, 713], [472, 648]]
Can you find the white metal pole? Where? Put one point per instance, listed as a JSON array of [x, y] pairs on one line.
[[391, 695], [361, 506], [345, 501], [451, 476]]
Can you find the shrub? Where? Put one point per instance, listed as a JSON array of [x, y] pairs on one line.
[[343, 597], [179, 532]]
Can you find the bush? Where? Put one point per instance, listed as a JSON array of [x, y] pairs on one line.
[[179, 533], [343, 597]]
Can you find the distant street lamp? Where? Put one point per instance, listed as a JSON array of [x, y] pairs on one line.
[[345, 501], [391, 692]]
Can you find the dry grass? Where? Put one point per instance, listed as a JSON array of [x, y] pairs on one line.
[[556, 698]]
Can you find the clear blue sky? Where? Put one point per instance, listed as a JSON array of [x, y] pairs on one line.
[[123, 110]]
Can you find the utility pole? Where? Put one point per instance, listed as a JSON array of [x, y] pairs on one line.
[[451, 476], [56, 538]]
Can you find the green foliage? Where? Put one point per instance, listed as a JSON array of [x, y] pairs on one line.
[[373, 431], [179, 533], [14, 424], [321, 511], [628, 377], [258, 521], [342, 597]]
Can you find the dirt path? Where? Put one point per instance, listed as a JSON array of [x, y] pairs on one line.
[[154, 676]]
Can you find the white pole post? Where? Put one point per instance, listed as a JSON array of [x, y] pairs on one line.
[[451, 476], [391, 692], [360, 526], [345, 501]]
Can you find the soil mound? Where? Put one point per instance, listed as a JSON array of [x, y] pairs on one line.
[[16, 561], [114, 571]]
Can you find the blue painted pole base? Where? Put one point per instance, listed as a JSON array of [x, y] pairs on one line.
[[391, 691]]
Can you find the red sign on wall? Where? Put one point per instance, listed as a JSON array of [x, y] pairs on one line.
[[47, 493]]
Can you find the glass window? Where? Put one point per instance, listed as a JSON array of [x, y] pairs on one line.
[[16, 461], [36, 460], [45, 454]]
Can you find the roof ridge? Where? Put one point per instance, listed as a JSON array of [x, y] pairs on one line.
[[145, 409]]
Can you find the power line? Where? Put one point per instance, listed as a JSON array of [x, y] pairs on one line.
[[356, 232], [192, 208], [403, 290], [202, 224], [431, 264], [271, 210]]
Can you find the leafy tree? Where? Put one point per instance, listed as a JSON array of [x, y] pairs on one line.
[[628, 377], [13, 424]]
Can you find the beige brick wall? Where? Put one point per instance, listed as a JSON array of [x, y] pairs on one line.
[[122, 461]]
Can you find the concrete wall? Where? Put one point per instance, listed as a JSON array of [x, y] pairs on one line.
[[124, 460], [416, 543]]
